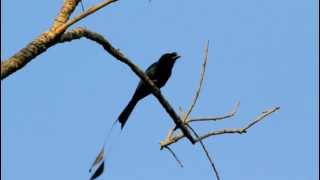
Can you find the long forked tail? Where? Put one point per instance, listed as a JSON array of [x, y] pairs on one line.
[[123, 117]]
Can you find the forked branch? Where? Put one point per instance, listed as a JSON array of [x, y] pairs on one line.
[[173, 136], [48, 38]]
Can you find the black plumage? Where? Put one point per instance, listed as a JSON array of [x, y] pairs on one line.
[[159, 72]]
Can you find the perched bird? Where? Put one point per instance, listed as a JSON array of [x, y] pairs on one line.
[[159, 72]]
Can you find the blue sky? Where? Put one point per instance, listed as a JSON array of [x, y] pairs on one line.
[[55, 112]]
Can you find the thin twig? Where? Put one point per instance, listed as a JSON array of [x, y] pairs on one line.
[[175, 156], [82, 6], [85, 14], [200, 83], [259, 118], [170, 133], [207, 153], [228, 115]]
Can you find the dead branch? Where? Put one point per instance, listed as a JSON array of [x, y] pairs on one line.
[[241, 130], [175, 156], [48, 38], [63, 16], [86, 13], [216, 118], [172, 138], [185, 117], [207, 154], [179, 136], [200, 83]]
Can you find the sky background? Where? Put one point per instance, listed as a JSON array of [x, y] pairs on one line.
[[55, 112]]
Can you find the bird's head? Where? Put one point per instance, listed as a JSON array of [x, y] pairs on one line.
[[169, 57]]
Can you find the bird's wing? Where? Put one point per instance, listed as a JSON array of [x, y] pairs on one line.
[[142, 90], [151, 70]]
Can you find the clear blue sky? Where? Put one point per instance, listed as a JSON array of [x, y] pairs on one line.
[[55, 112]]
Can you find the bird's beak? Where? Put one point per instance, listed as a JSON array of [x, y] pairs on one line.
[[176, 56]]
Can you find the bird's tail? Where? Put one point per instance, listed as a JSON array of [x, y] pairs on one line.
[[123, 117]]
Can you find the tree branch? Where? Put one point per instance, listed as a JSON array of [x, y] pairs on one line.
[[48, 38], [200, 83], [82, 32], [64, 13], [207, 154], [240, 130], [171, 138], [177, 137], [216, 118], [174, 156], [26, 54], [87, 13]]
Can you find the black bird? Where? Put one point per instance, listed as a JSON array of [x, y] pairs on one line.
[[159, 72]]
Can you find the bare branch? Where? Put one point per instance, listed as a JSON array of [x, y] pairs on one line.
[[207, 153], [228, 115], [184, 116], [48, 38], [85, 14], [175, 156], [240, 130], [195, 98], [82, 32], [171, 140], [170, 133], [64, 13], [259, 118], [26, 54]]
